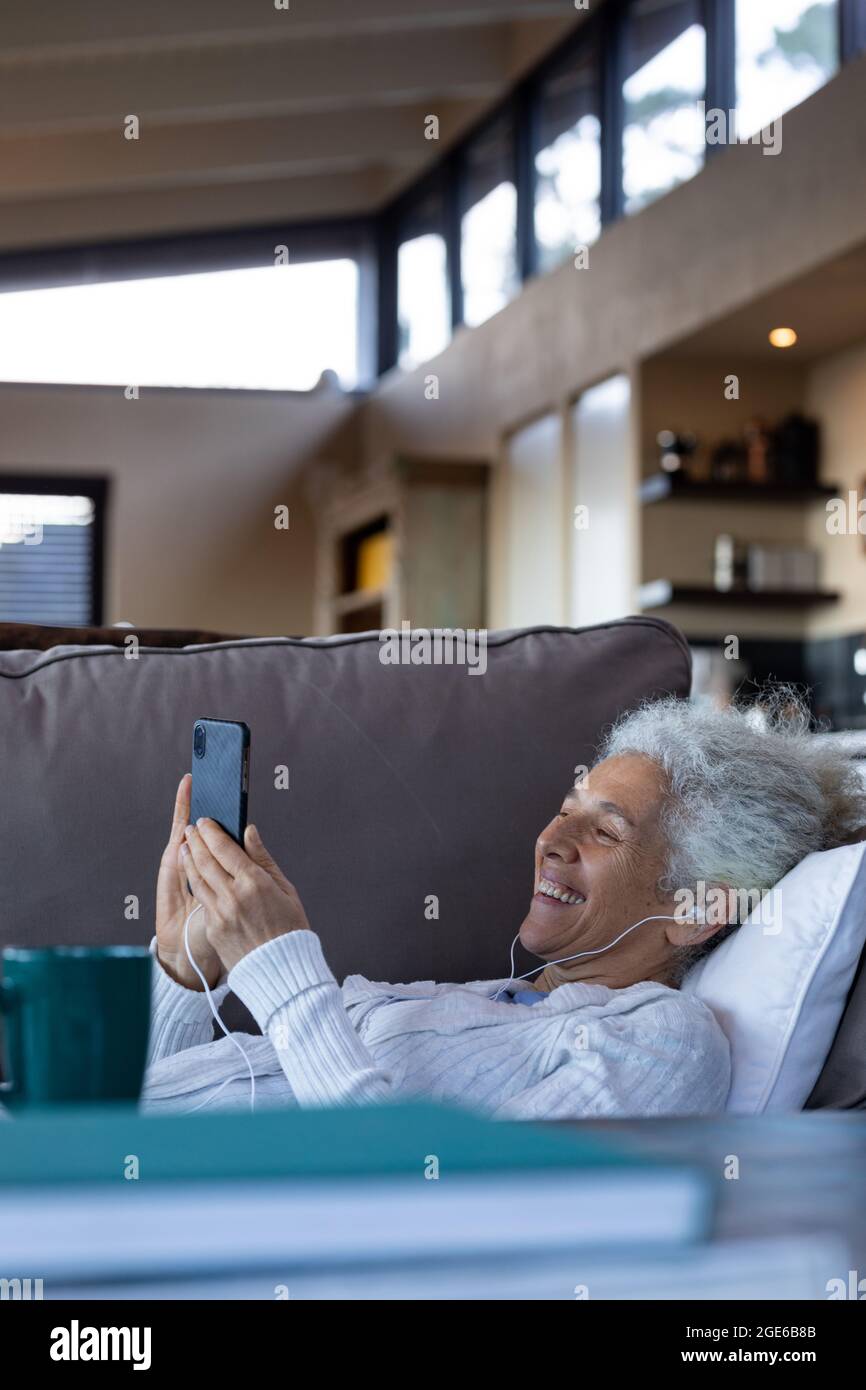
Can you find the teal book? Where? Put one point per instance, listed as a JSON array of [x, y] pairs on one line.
[[106, 1193]]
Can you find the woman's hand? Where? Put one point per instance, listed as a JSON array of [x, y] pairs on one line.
[[247, 899], [174, 904]]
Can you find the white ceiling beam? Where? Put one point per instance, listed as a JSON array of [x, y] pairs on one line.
[[314, 76], [230, 151], [46, 29]]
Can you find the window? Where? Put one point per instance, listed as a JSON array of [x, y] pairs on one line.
[[275, 327], [423, 294], [786, 50], [568, 160], [423, 301], [488, 248], [51, 550], [664, 139]]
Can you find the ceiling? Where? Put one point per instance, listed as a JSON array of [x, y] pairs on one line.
[[247, 113], [826, 307]]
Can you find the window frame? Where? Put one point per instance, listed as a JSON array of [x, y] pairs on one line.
[[200, 253], [394, 221], [851, 38], [508, 110], [852, 30], [721, 85], [590, 34], [605, 28], [720, 52], [94, 487]]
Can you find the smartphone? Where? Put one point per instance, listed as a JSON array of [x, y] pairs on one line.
[[221, 774]]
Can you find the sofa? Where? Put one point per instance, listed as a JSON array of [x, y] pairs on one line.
[[403, 800]]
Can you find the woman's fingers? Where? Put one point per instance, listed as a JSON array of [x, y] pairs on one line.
[[255, 848], [201, 889], [181, 808], [207, 866], [183, 879], [226, 851]]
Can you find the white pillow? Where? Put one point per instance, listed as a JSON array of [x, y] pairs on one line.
[[778, 984]]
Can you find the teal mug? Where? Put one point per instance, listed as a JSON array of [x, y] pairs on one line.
[[76, 1021]]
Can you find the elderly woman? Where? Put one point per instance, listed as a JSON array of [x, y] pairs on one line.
[[680, 797]]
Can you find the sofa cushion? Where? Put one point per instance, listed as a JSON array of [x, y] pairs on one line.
[[39, 637], [415, 792]]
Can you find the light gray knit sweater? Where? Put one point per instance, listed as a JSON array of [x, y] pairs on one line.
[[584, 1050]]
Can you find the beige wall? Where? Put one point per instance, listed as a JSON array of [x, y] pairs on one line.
[[836, 394], [533, 564], [195, 476], [603, 538]]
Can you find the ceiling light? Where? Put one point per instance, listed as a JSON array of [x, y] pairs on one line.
[[783, 337]]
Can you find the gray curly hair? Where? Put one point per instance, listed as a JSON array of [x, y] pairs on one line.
[[751, 789]]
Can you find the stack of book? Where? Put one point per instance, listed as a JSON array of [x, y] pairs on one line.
[[394, 1202]]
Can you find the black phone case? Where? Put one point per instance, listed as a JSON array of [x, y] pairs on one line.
[[220, 779]]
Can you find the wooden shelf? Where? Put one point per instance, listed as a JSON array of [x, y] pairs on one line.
[[433, 513], [664, 487], [661, 592]]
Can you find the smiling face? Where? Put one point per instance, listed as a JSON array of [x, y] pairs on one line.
[[597, 869]]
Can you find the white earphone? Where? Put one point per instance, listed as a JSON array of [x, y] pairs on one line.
[[696, 916], [215, 1011]]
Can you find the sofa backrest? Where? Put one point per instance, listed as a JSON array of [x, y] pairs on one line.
[[415, 792]]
